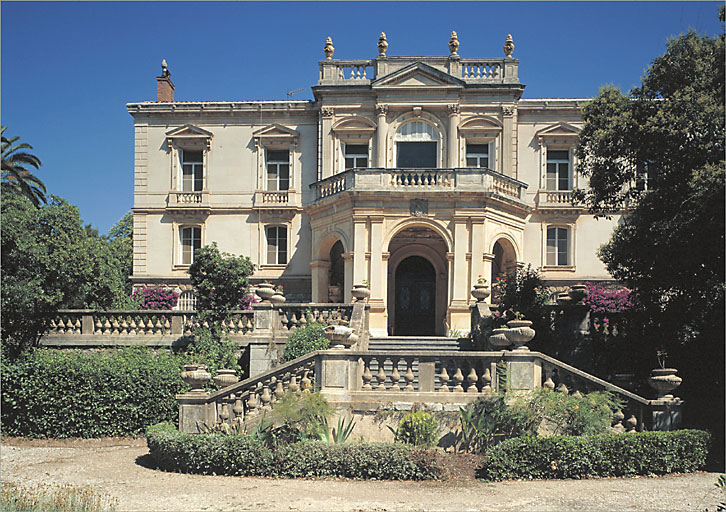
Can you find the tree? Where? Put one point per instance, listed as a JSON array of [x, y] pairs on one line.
[[50, 261], [659, 152], [220, 280], [17, 178], [121, 242]]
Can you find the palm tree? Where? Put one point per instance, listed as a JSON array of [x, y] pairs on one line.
[[17, 178]]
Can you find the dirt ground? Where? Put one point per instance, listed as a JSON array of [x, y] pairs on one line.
[[121, 468]]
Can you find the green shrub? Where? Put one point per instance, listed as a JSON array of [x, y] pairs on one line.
[[490, 420], [597, 456], [305, 340], [419, 429], [73, 393], [305, 412], [244, 455], [575, 415]]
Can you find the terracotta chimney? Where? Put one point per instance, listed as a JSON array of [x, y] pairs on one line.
[[164, 87]]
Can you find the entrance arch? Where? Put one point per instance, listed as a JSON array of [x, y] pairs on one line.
[[505, 260], [417, 283]]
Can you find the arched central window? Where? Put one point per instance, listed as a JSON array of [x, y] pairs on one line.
[[416, 145]]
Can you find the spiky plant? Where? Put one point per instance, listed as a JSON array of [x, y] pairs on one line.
[[17, 176]]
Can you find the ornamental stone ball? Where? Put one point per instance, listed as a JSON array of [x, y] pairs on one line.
[[329, 48]]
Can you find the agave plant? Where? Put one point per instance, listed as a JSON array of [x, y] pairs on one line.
[[336, 436], [16, 174]]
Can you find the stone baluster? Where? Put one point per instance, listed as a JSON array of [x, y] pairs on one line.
[[106, 327], [132, 327], [279, 391], [366, 376], [157, 327], [443, 378], [618, 418], [306, 383], [293, 387], [124, 325], [562, 388], [265, 396], [395, 376], [223, 411], [77, 326], [486, 380], [408, 376], [458, 379], [471, 379], [239, 411], [381, 375], [252, 403], [631, 423]]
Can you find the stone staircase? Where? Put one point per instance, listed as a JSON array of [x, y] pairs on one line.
[[421, 343]]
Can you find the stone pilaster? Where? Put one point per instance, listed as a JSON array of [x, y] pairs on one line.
[[452, 141], [319, 270], [381, 130]]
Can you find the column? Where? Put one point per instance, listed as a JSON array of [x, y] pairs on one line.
[[381, 130], [348, 285], [360, 239], [320, 273], [477, 250], [508, 142], [452, 137], [459, 316], [326, 142], [378, 278]]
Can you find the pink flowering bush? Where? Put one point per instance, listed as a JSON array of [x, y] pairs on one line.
[[608, 299], [245, 303], [151, 297]]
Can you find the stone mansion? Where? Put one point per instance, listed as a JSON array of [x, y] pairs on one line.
[[414, 174]]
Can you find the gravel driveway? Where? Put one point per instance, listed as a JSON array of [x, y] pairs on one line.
[[119, 467]]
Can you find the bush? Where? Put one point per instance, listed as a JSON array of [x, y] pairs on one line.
[[490, 420], [305, 413], [597, 456], [575, 415], [209, 347], [419, 429], [73, 393], [246, 456], [305, 340], [153, 297]]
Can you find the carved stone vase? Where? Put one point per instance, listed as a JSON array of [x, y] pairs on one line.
[[339, 336], [265, 291], [225, 377], [480, 292], [499, 339], [360, 292], [196, 376], [577, 292], [664, 380], [519, 333], [277, 298]]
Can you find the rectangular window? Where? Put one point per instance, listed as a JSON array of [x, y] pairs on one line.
[[557, 246], [645, 179], [558, 170], [276, 245], [477, 155], [192, 171], [416, 154], [191, 241], [356, 155], [278, 170]]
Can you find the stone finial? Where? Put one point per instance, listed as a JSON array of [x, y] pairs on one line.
[[382, 45], [453, 43], [165, 73], [508, 46], [329, 48]]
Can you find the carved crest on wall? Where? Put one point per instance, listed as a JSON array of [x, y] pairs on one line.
[[419, 207]]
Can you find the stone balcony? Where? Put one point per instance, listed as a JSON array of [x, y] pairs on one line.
[[276, 199], [445, 181], [188, 201], [555, 199]]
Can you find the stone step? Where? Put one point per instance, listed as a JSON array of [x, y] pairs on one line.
[[427, 343]]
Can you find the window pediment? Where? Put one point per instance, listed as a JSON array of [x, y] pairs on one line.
[[480, 125], [276, 134], [354, 126], [189, 135], [563, 131], [417, 74]]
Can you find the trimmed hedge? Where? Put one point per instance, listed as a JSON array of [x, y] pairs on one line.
[[74, 393], [602, 455], [221, 454]]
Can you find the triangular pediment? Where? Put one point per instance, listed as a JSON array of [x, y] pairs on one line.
[[417, 74], [275, 130], [558, 130], [188, 131]]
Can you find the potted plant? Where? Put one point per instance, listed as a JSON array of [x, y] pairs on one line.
[[361, 291], [664, 380], [277, 297], [481, 290], [520, 331]]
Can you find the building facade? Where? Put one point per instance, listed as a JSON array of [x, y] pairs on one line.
[[416, 175]]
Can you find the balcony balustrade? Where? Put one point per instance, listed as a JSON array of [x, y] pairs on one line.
[[188, 200], [554, 199], [463, 180]]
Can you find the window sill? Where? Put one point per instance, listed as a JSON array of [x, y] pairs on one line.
[[180, 266], [558, 268], [267, 266]]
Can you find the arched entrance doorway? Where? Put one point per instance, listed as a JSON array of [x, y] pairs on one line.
[[415, 297], [417, 283], [336, 273], [505, 261]]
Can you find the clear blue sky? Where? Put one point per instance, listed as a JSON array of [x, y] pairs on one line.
[[69, 68]]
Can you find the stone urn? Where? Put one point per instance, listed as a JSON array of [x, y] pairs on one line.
[[339, 336], [664, 380], [196, 376], [519, 333], [563, 299], [277, 298], [335, 294], [498, 338], [360, 292], [225, 377], [577, 292], [480, 292], [265, 291]]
